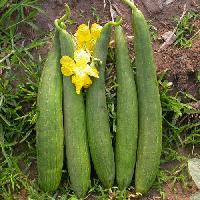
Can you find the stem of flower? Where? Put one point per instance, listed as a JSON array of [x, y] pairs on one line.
[[117, 23]]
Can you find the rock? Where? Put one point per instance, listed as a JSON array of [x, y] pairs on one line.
[[154, 5], [195, 196], [194, 170], [168, 2], [169, 36]]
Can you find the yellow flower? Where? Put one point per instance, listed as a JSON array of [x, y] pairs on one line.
[[79, 68], [83, 33], [81, 81], [68, 65], [81, 56], [95, 31], [87, 38]]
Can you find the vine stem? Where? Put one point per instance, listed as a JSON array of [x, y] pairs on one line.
[[117, 23], [59, 23], [131, 4]]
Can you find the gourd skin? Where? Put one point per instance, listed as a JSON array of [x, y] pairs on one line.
[[49, 127], [99, 136], [127, 113], [150, 112], [77, 151]]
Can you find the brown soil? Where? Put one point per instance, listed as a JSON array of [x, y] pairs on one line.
[[178, 192]]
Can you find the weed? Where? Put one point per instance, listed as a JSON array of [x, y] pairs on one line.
[[153, 30], [11, 176], [18, 13], [111, 87], [186, 30], [178, 131], [178, 128], [21, 72], [18, 105], [113, 193], [177, 174], [18, 92], [198, 76], [95, 15], [80, 13]]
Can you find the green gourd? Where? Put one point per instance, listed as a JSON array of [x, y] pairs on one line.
[[49, 127], [77, 151], [150, 113], [127, 113], [99, 136]]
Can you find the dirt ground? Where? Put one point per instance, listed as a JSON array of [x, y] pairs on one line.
[[182, 64]]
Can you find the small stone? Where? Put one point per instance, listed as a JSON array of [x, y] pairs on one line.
[[50, 27], [168, 34], [167, 2], [194, 170], [153, 5]]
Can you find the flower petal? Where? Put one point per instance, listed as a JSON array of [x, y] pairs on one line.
[[83, 33], [67, 61], [81, 57], [68, 65], [78, 81], [67, 71], [95, 31], [87, 81], [90, 45], [92, 71]]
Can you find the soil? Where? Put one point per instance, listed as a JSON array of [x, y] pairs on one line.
[[182, 64]]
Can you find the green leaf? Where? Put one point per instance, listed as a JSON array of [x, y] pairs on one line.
[[194, 170], [198, 76], [3, 3], [5, 120], [1, 134], [73, 198]]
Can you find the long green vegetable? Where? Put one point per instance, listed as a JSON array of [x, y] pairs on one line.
[[49, 127], [127, 113], [77, 152], [150, 115], [99, 136]]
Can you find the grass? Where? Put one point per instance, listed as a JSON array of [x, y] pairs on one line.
[[18, 92], [186, 30], [178, 127], [21, 68], [95, 15], [153, 30]]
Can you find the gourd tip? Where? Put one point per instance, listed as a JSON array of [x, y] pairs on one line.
[[131, 4], [59, 23], [67, 10]]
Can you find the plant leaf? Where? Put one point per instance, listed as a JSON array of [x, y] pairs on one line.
[[1, 135], [3, 3], [198, 76]]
